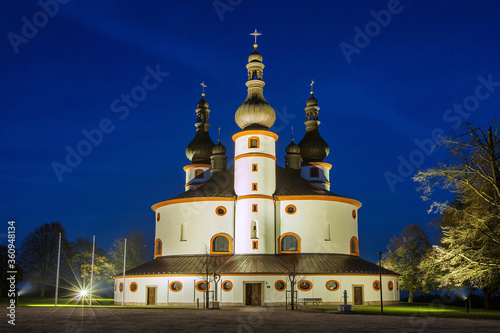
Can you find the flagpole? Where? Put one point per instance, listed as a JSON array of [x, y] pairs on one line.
[[124, 260], [92, 271], [58, 262]]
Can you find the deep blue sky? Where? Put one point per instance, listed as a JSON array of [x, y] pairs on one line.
[[395, 90]]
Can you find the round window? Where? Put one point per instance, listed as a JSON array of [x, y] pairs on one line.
[[133, 287], [376, 285], [202, 286], [332, 285], [390, 285], [305, 285], [175, 286], [227, 285], [290, 209], [121, 287], [354, 213], [221, 210], [280, 285], [157, 217]]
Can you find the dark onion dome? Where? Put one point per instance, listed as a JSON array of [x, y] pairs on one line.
[[203, 104], [219, 149], [292, 148], [312, 101], [200, 149], [313, 148]]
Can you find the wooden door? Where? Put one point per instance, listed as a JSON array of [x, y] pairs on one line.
[[151, 296], [253, 293], [358, 295]]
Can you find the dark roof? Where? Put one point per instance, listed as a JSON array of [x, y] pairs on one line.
[[221, 184], [288, 182], [322, 263]]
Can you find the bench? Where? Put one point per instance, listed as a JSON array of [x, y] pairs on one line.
[[310, 300]]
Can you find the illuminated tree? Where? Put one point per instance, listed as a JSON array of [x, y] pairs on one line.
[[404, 256], [82, 262], [136, 251], [469, 253]]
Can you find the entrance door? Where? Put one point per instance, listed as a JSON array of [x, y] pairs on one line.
[[358, 295], [253, 294], [151, 296]]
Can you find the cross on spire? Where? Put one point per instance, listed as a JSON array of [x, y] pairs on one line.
[[312, 83], [255, 34], [292, 133], [203, 89], [219, 133]]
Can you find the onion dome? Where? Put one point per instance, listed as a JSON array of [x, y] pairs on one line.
[[219, 149], [312, 146], [255, 112], [199, 150], [292, 148]]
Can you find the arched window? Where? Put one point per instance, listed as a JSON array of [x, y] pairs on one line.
[[198, 173], [289, 243], [314, 172], [220, 243], [158, 248], [253, 142], [354, 247]]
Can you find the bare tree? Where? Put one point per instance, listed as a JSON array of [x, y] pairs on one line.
[[469, 253], [136, 251], [38, 254]]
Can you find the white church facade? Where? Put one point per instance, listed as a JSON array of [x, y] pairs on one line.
[[256, 231]]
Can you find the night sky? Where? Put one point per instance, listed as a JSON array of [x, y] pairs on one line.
[[387, 74]]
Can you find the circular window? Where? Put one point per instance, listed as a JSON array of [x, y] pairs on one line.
[[133, 287], [202, 286], [332, 285], [376, 285], [120, 287], [390, 285], [227, 285], [157, 217], [290, 209], [305, 285], [175, 286], [221, 210], [354, 213], [280, 285]]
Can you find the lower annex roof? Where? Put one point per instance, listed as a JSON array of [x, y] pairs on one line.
[[304, 263]]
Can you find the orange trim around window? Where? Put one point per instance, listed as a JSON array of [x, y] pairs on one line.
[[158, 248], [121, 287], [255, 132], [132, 285], [390, 285], [304, 289], [255, 245], [276, 285], [337, 282], [223, 235], [197, 286], [356, 246], [190, 166], [257, 145], [376, 282], [219, 208], [290, 206], [172, 289], [289, 234], [230, 288]]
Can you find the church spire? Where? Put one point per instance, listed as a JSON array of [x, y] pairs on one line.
[[255, 112], [200, 149], [312, 147]]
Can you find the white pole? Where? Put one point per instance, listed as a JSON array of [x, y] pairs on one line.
[[92, 272], [124, 261], [58, 262]]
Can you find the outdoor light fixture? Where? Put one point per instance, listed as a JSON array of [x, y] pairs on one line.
[[83, 293]]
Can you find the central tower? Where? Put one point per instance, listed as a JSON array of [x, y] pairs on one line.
[[255, 166]]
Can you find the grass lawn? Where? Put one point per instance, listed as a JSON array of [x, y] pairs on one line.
[[42, 301], [423, 310]]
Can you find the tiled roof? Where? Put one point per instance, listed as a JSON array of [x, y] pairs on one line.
[[304, 263], [221, 184]]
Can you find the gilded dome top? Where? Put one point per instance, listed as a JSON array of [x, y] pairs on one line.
[[255, 56]]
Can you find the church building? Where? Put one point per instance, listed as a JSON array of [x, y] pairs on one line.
[[256, 232]]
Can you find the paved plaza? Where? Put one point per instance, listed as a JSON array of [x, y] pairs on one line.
[[50, 319]]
